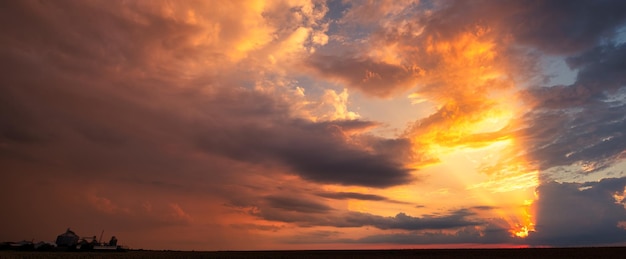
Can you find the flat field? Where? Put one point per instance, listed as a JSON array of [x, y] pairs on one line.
[[534, 253]]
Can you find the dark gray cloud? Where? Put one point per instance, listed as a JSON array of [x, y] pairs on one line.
[[567, 26], [600, 74], [491, 234], [592, 136], [298, 211], [572, 214], [352, 195], [601, 68], [315, 151], [297, 204], [370, 76], [558, 27], [582, 123], [307, 211], [455, 219], [357, 196]]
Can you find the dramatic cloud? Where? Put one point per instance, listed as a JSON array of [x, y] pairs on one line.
[[582, 123], [402, 221], [352, 195], [580, 214], [315, 151], [299, 205], [557, 27], [374, 78], [288, 124], [492, 234], [567, 26], [301, 214]]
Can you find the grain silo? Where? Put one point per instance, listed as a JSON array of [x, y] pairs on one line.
[[67, 239]]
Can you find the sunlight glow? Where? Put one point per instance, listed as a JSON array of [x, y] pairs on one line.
[[472, 126]]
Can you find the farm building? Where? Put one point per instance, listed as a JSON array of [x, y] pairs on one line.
[[67, 239]]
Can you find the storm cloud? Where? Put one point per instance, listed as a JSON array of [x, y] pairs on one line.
[[583, 122], [245, 123], [571, 214], [300, 213]]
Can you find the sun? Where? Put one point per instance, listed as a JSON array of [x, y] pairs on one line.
[[527, 224]]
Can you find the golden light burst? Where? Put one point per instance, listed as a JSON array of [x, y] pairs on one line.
[[476, 103]]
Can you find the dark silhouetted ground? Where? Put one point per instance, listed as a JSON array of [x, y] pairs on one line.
[[534, 253]]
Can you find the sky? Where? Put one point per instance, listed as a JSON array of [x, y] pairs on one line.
[[306, 124]]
